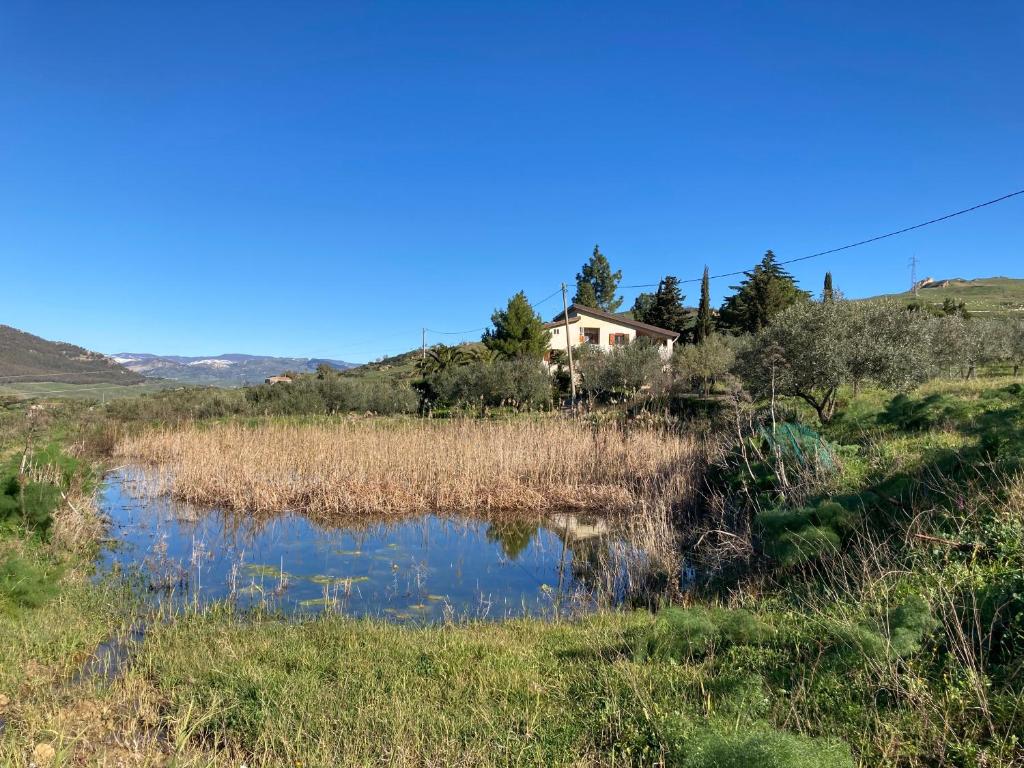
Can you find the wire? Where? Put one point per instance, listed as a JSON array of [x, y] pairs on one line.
[[546, 298], [478, 330], [456, 333], [852, 245]]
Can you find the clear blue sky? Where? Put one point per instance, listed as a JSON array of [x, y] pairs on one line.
[[323, 179]]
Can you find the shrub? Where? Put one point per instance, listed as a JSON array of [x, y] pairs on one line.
[[621, 372], [520, 383], [683, 633], [909, 624], [702, 365], [764, 748], [795, 536], [24, 584]]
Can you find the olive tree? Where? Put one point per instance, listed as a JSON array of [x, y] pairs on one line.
[[621, 372], [961, 344], [814, 348], [703, 364], [520, 383], [1015, 333]]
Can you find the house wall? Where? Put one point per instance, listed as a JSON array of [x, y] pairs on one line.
[[556, 336]]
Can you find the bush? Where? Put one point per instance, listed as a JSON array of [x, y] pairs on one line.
[[24, 584], [764, 748], [796, 536], [32, 505], [176, 405], [621, 372], [683, 633], [701, 366], [520, 383]]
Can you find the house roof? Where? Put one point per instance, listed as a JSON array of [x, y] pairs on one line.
[[647, 330]]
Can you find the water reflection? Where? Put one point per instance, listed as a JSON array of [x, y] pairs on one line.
[[423, 568]]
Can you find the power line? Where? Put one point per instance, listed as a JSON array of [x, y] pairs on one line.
[[456, 333], [484, 328], [858, 243], [546, 298]]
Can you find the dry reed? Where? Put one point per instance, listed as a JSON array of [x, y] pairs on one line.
[[359, 467]]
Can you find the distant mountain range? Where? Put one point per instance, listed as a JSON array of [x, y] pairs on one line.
[[229, 370], [26, 358]]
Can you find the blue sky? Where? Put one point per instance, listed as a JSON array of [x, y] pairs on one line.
[[325, 179]]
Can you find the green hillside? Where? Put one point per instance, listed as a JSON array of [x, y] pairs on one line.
[[984, 294], [103, 392], [25, 358], [400, 367]]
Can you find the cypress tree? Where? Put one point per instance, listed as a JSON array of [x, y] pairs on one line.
[[826, 292], [703, 327]]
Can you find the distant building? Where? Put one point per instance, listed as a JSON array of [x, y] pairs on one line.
[[604, 330], [278, 380]]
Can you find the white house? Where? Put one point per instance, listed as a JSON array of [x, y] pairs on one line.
[[605, 330]]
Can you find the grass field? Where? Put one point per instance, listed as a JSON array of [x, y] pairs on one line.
[[984, 295], [886, 632], [101, 392]]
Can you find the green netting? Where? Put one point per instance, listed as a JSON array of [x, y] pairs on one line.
[[796, 442]]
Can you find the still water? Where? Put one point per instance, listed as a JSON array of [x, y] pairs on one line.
[[423, 568]]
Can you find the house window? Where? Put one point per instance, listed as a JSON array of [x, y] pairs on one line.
[[591, 336], [555, 330], [618, 339]]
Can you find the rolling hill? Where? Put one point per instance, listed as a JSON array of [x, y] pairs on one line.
[[228, 370], [27, 358], [983, 294]]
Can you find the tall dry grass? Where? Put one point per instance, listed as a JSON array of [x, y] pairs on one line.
[[358, 467]]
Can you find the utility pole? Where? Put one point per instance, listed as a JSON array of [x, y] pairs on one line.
[[568, 348], [913, 274], [423, 344]]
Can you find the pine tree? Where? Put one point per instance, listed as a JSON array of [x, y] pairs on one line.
[[765, 291], [826, 291], [667, 309], [518, 330], [704, 326], [642, 307], [596, 284]]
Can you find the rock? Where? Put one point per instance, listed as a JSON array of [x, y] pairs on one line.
[[4, 703]]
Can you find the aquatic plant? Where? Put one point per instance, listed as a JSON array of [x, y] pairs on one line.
[[357, 467]]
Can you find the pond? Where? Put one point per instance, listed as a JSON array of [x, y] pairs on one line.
[[422, 568]]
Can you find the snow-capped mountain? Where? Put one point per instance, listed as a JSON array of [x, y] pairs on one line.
[[230, 370]]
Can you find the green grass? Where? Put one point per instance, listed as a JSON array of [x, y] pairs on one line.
[[854, 644], [986, 295], [340, 692], [101, 392]]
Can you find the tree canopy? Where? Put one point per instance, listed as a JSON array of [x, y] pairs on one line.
[[642, 307], [765, 291], [813, 348], [596, 284], [518, 330], [666, 310], [704, 324]]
